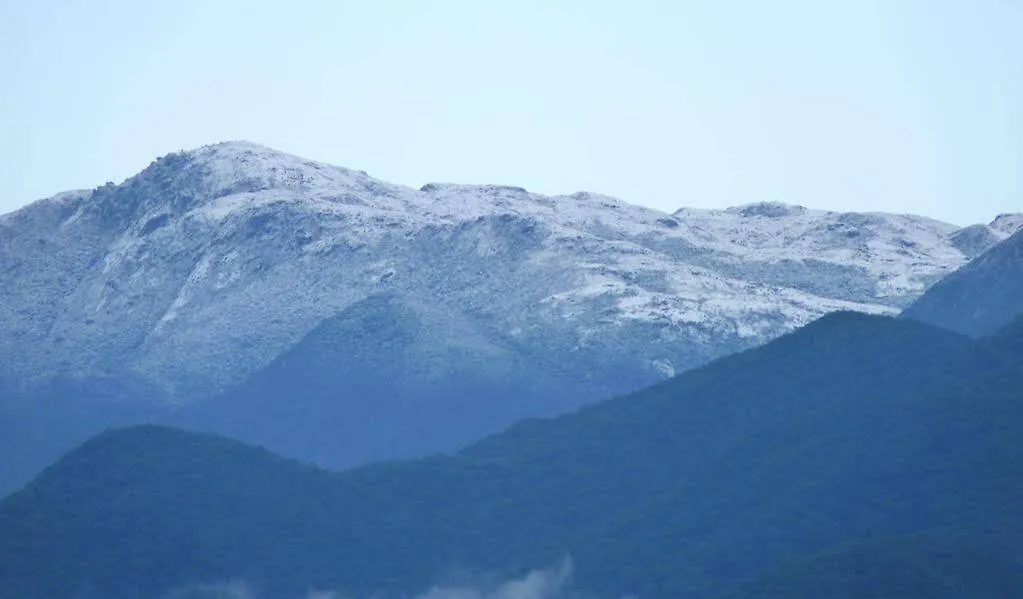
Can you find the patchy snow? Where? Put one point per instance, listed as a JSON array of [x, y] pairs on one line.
[[210, 262], [1007, 224]]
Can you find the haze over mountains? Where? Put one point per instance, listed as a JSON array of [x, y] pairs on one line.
[[323, 313], [341, 320], [859, 456]]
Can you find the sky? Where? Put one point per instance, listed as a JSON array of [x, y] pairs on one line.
[[870, 105]]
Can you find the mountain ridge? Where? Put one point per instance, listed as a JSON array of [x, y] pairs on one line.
[[204, 234], [979, 298], [855, 429]]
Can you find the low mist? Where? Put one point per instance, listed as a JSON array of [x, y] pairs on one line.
[[550, 583]]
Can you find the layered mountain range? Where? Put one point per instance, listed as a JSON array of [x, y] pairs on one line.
[[319, 313], [337, 318], [860, 456]]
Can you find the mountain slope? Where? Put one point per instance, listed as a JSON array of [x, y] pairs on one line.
[[210, 263], [851, 429], [980, 297], [376, 382]]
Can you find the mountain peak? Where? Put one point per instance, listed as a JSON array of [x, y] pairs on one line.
[[254, 154], [240, 166], [187, 180], [1008, 223], [238, 145]]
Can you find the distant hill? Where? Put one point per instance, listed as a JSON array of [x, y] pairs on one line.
[[376, 382], [64, 413], [980, 297], [850, 431]]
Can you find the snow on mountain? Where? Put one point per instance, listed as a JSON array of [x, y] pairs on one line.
[[1007, 224], [209, 263]]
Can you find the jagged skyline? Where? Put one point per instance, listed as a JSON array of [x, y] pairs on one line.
[[874, 106]]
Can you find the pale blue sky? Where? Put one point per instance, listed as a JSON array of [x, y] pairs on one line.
[[900, 105]]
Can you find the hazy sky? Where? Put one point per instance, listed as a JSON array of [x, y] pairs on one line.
[[900, 105]]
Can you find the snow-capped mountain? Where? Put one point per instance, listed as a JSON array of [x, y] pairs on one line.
[[208, 264]]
